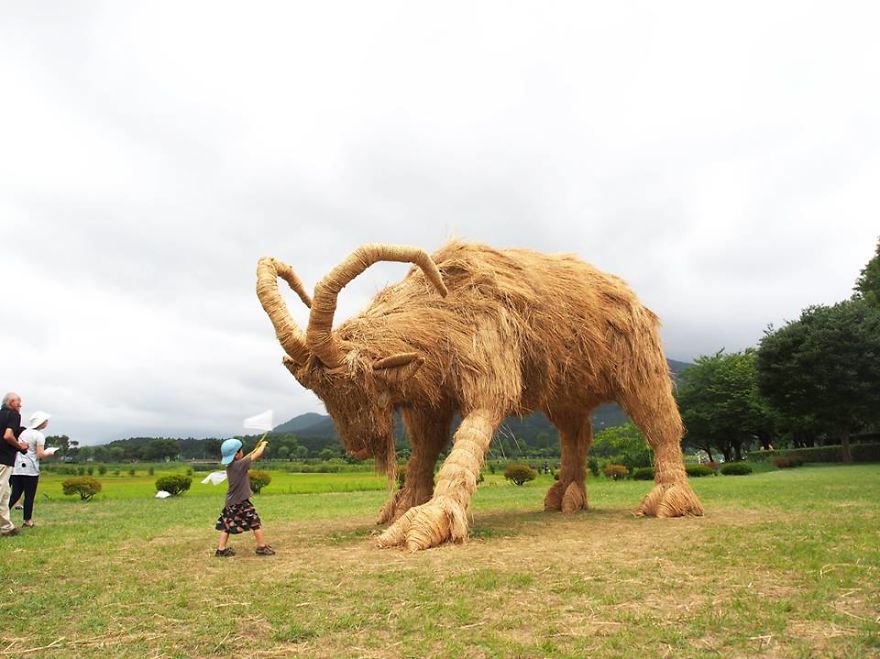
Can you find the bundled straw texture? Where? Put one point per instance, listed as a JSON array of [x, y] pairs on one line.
[[485, 333]]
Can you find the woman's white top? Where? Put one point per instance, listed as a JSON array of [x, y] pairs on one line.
[[28, 464]]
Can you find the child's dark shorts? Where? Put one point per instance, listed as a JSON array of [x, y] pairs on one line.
[[238, 518]]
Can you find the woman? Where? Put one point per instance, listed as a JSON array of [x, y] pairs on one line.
[[26, 472]]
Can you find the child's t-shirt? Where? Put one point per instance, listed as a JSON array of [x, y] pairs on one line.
[[239, 481]]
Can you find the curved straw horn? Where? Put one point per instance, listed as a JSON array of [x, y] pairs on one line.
[[289, 334], [319, 335]]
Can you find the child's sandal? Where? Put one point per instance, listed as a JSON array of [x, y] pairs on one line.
[[227, 551], [265, 550]]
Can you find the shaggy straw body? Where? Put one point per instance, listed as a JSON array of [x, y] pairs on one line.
[[485, 333]]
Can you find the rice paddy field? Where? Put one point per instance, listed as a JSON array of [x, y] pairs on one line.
[[786, 563]]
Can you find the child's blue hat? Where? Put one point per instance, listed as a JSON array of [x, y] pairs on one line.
[[228, 449]]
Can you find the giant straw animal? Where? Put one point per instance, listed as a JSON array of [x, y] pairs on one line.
[[484, 333]]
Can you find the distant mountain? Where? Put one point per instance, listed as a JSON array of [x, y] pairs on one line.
[[300, 423], [316, 431], [677, 367]]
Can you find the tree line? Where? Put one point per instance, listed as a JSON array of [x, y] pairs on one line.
[[813, 380], [160, 449]]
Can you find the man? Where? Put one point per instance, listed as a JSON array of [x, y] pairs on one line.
[[10, 447]]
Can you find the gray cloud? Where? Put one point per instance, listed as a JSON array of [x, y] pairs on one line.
[[722, 160]]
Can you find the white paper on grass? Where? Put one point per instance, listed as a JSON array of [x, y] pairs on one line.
[[162, 494], [263, 421], [214, 478]]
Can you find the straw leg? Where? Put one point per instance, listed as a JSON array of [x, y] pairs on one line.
[[569, 493], [429, 433], [444, 517], [656, 414]]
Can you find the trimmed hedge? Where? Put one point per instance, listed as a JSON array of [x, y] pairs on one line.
[[698, 471], [85, 486], [519, 473], [833, 453], [260, 478], [174, 484], [615, 471], [643, 474], [736, 469], [787, 463]]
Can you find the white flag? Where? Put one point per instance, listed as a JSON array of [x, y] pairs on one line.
[[214, 478], [263, 421]]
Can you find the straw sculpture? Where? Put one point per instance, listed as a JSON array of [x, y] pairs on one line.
[[485, 333]]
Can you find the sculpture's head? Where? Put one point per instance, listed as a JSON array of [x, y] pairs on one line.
[[358, 387]]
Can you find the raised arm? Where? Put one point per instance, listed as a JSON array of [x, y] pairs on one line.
[[257, 453]]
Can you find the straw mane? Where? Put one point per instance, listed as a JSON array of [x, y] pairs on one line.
[[486, 333]]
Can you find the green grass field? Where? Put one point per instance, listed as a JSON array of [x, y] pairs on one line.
[[785, 563], [143, 485]]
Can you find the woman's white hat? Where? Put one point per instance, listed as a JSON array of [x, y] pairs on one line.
[[38, 418]]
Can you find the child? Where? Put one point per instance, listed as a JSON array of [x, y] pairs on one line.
[[239, 514]]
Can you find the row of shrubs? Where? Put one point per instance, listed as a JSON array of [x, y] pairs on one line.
[[834, 453], [618, 471], [521, 473], [693, 470], [72, 470], [175, 484], [334, 466], [787, 463]]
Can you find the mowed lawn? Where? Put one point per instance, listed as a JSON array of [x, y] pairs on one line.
[[785, 563], [143, 485]]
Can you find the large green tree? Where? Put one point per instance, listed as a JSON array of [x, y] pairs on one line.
[[720, 405], [160, 449], [61, 442], [622, 444], [868, 284], [825, 367]]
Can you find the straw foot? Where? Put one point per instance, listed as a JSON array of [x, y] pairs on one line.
[[568, 497], [401, 501], [670, 500], [426, 526], [390, 510]]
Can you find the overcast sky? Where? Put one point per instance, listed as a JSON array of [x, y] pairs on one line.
[[725, 161]]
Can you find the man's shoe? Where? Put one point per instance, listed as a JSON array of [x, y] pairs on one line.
[[265, 550], [10, 533], [224, 552]]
